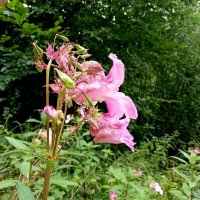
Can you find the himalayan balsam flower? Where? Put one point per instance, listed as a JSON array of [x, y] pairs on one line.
[[112, 195], [156, 187]]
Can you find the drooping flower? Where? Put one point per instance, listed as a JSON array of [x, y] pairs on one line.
[[156, 187], [112, 195], [112, 130]]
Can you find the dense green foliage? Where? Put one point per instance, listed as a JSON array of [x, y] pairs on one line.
[[157, 40], [87, 171]]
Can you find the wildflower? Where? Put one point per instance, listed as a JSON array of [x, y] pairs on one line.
[[112, 194], [156, 187], [138, 171]]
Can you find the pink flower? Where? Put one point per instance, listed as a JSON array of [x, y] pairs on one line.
[[138, 171], [112, 195], [112, 130], [197, 150], [156, 187]]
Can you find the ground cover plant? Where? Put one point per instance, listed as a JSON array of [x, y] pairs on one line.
[[88, 171]]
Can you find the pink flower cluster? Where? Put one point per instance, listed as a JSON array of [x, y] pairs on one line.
[[92, 85]]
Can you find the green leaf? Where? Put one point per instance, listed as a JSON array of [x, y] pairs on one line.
[[18, 144], [180, 159], [25, 168], [192, 184], [186, 189], [23, 192], [7, 183], [179, 194], [181, 174], [186, 155], [60, 181]]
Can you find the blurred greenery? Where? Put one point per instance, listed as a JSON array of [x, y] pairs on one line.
[[158, 41]]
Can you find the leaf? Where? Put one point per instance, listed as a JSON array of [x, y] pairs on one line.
[[60, 181], [186, 155], [34, 121], [192, 184], [181, 174], [23, 192], [180, 159], [18, 144], [7, 183], [179, 194], [186, 189], [25, 168]]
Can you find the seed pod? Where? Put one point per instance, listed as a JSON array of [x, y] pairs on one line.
[[65, 79]]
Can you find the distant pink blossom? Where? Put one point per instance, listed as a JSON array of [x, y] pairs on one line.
[[156, 187], [112, 195], [197, 150], [138, 171]]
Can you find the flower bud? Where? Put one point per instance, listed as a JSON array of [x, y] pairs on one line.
[[38, 52], [65, 79], [65, 39]]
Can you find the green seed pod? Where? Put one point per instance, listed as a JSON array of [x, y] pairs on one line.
[[65, 79]]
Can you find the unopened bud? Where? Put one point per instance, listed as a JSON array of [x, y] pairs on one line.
[[80, 49], [65, 79], [38, 52], [65, 39]]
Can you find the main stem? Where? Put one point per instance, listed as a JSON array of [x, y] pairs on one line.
[[46, 183], [48, 169]]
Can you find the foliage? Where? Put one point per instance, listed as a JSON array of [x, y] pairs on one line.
[[88, 171], [158, 40]]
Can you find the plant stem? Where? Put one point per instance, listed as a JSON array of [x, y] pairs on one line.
[[46, 183], [47, 98]]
